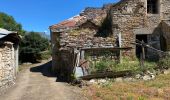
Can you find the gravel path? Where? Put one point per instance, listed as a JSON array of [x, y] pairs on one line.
[[35, 83]]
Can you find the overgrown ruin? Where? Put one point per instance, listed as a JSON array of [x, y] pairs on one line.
[[114, 26]]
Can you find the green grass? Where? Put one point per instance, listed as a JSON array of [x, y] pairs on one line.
[[104, 65]]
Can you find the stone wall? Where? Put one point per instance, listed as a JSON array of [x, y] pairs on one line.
[[85, 38], [166, 35], [7, 64], [165, 10], [126, 16], [103, 27], [130, 18]]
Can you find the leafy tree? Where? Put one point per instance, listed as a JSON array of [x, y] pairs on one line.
[[9, 23], [32, 46]]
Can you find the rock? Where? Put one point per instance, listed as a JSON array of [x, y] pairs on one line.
[[153, 76], [88, 83], [128, 79], [146, 78], [150, 73], [92, 81], [158, 72], [166, 72], [119, 80], [138, 76], [102, 81]]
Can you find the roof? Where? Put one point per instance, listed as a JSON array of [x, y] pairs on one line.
[[9, 36], [4, 32], [71, 22]]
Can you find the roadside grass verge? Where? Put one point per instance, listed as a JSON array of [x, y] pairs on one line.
[[158, 89]]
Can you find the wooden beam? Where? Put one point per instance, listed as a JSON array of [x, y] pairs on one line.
[[107, 75]]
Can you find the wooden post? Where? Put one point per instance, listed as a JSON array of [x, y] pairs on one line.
[[141, 60], [143, 50], [120, 45], [142, 56], [82, 54]]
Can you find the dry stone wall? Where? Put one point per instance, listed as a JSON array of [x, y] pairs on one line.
[[7, 65], [85, 38], [126, 16], [165, 9]]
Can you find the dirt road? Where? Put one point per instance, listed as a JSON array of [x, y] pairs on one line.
[[36, 83]]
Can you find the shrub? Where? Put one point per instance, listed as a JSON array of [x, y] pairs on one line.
[[31, 47], [105, 65], [164, 63]]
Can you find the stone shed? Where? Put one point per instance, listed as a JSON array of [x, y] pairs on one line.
[[112, 26], [8, 57]]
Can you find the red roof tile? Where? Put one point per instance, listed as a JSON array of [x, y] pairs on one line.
[[72, 22]]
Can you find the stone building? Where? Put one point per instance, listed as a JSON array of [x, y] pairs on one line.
[[8, 57], [113, 26]]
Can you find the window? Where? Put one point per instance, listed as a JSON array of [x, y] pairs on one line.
[[152, 6]]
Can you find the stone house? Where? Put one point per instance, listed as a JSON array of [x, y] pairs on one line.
[[113, 26], [8, 57]]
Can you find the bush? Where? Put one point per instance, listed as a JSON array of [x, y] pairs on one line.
[[31, 47], [104, 65], [164, 63]]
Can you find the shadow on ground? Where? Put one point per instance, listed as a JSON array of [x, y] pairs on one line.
[[45, 69]]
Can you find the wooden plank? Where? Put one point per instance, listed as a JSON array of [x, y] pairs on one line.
[[107, 75]]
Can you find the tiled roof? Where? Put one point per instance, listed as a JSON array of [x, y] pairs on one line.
[[72, 22]]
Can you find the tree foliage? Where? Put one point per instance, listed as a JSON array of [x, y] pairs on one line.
[[9, 23], [32, 46]]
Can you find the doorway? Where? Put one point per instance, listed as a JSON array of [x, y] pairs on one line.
[[139, 48]]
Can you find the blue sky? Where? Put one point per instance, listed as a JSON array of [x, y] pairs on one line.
[[38, 15]]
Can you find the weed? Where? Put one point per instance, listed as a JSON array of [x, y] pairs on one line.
[[141, 98], [98, 94], [164, 63], [130, 98]]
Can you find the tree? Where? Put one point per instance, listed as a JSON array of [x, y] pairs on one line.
[[32, 46], [9, 23]]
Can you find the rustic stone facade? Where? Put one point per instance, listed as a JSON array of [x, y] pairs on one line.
[[114, 25], [132, 20], [8, 59]]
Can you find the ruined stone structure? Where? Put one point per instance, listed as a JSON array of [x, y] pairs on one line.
[[8, 57], [112, 26]]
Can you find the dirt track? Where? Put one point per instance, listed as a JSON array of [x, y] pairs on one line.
[[36, 83]]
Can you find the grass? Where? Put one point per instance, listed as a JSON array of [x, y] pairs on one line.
[[104, 65], [158, 89]]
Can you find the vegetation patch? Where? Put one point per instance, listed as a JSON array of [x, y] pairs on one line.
[[157, 89], [31, 47], [104, 65]]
